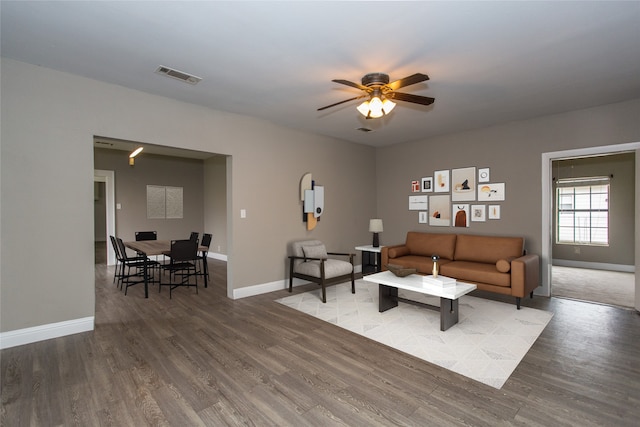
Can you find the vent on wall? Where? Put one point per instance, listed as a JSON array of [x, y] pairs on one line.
[[179, 75]]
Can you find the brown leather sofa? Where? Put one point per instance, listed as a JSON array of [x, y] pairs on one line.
[[495, 264]]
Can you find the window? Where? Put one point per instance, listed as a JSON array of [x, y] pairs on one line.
[[582, 211]]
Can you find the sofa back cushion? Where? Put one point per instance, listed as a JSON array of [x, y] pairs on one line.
[[487, 249], [427, 244]]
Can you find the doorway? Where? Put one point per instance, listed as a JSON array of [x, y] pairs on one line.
[[548, 210], [593, 223], [104, 214]]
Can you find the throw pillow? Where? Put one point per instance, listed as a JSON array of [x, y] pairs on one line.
[[315, 251], [504, 265]]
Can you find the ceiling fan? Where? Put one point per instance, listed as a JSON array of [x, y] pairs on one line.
[[380, 92]]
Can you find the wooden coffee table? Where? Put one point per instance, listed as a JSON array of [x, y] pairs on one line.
[[389, 283]]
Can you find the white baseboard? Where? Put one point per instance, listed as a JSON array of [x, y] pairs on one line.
[[221, 257], [45, 332], [264, 288], [594, 265]]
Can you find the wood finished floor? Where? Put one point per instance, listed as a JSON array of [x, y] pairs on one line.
[[208, 360]]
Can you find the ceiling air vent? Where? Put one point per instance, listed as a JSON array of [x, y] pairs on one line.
[[365, 130], [179, 75]]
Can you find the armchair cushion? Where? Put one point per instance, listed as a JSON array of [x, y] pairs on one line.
[[314, 251], [332, 268]]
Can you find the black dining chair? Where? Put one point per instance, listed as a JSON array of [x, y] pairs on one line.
[[116, 273], [139, 263], [194, 235], [206, 242], [182, 265]]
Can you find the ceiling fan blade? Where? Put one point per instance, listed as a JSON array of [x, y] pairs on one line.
[[408, 81], [352, 84], [342, 102], [416, 99]]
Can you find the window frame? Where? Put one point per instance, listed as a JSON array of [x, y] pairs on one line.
[[591, 187]]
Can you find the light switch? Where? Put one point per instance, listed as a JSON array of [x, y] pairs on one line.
[[118, 206], [243, 213]]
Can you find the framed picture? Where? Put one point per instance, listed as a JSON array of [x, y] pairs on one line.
[[463, 184], [418, 203], [484, 175], [440, 210], [415, 186], [478, 213], [422, 217], [441, 181], [461, 216], [494, 211], [427, 184], [491, 192]]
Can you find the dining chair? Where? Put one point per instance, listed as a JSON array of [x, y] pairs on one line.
[[182, 265], [139, 263], [116, 273], [206, 242], [146, 235], [194, 235]]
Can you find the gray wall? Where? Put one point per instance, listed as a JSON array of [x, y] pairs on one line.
[[621, 208], [215, 202], [131, 192], [513, 152], [49, 120]]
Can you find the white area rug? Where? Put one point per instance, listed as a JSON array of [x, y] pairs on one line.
[[487, 344]]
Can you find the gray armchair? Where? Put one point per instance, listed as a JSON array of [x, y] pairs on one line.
[[310, 261]]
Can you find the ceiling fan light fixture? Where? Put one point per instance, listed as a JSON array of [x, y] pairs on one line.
[[375, 108], [363, 108], [388, 105]]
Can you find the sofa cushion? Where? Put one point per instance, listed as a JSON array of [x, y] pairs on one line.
[[424, 265], [488, 249], [427, 244], [476, 272]]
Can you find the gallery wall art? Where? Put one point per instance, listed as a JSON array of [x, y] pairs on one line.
[[461, 185], [312, 196]]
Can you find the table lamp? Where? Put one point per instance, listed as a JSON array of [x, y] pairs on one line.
[[375, 226]]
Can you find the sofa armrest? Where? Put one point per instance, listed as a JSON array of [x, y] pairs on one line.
[[525, 275], [384, 259]]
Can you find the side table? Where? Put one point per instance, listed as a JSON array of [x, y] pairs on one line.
[[371, 259]]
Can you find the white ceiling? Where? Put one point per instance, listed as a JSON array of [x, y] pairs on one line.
[[489, 62]]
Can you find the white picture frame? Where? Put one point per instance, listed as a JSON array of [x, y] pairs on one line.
[[478, 213], [494, 192], [441, 181], [440, 210], [484, 175], [461, 215], [427, 184], [463, 184], [423, 217], [418, 203], [494, 211]]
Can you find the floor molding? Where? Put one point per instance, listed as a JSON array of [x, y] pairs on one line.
[[594, 265], [45, 332]]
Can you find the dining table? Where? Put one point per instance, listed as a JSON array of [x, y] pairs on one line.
[[149, 248]]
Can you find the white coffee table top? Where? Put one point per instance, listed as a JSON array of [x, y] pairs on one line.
[[369, 248], [414, 283]]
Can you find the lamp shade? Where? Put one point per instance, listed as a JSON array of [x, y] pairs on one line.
[[375, 225]]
